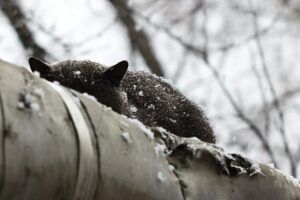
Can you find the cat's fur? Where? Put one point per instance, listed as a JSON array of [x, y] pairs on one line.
[[139, 95]]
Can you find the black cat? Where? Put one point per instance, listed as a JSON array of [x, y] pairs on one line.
[[139, 95]]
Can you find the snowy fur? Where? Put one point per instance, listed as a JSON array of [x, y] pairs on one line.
[[149, 98]]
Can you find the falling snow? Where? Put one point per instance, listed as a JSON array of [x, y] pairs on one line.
[[141, 93], [133, 109], [77, 72]]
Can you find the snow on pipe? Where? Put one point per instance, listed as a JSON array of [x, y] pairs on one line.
[[41, 153]]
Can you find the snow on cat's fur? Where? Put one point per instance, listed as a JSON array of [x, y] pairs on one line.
[[140, 95]]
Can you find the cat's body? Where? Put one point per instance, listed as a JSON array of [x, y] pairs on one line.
[[139, 95]]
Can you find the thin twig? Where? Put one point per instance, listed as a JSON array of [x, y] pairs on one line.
[[273, 92], [201, 53], [265, 104]]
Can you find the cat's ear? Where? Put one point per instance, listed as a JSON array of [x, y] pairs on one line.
[[115, 73], [39, 66]]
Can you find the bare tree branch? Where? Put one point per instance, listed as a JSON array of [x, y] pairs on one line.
[[250, 38], [191, 13], [203, 55], [265, 108], [286, 95], [273, 92], [138, 38], [69, 47], [18, 21]]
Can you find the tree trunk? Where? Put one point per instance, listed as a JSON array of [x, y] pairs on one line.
[[46, 153], [19, 23], [138, 38]]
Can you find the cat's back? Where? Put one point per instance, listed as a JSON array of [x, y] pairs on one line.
[[146, 85], [157, 102]]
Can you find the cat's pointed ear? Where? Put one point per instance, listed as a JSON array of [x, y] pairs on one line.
[[39, 66], [115, 73]]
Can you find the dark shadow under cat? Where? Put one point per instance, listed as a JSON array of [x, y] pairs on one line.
[[139, 95]]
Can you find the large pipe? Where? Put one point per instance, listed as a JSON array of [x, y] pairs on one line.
[[46, 154]]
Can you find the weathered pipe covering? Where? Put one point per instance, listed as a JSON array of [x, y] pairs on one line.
[[41, 155]]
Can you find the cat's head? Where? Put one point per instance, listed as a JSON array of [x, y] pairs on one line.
[[86, 76], [72, 70]]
